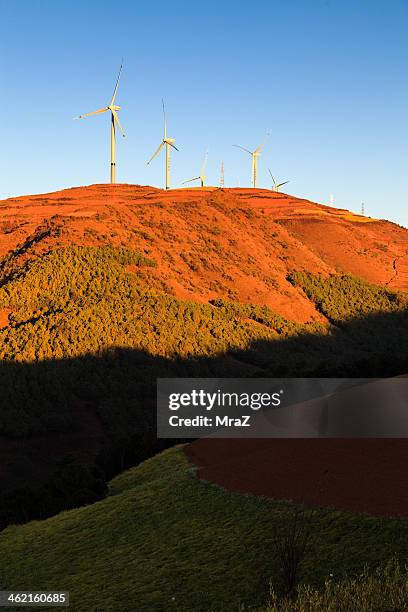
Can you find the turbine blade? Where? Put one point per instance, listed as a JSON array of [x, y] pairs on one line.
[[243, 148], [281, 184], [116, 86], [159, 148], [115, 114], [273, 178], [164, 118], [259, 149], [101, 110], [261, 146], [172, 145], [205, 163], [197, 178]]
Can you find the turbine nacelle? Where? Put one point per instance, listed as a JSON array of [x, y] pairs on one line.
[[170, 142]]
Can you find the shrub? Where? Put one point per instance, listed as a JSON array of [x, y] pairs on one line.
[[291, 538], [384, 590]]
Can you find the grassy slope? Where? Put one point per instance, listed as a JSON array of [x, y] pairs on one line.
[[163, 534]]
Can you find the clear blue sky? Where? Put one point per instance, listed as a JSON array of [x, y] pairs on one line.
[[328, 79]]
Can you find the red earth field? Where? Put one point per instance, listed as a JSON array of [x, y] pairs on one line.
[[354, 475]]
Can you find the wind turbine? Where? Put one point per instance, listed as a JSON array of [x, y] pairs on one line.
[[276, 186], [167, 142], [113, 108], [254, 154], [202, 176]]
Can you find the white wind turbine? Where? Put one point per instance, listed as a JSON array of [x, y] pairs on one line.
[[202, 176], [167, 142], [254, 154], [114, 120], [276, 186]]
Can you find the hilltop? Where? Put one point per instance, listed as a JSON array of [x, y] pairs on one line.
[[207, 243]]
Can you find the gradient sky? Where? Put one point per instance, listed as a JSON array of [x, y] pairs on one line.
[[328, 79]]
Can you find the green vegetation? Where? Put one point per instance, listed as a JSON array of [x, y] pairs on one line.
[[82, 300], [344, 296], [384, 589], [263, 315], [164, 540]]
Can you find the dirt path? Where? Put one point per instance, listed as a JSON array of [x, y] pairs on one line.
[[400, 275]]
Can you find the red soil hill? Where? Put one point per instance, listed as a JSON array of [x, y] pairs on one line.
[[236, 243]]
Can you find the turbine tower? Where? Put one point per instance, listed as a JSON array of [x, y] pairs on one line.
[[254, 154], [202, 176], [167, 142], [276, 186], [222, 178], [113, 108]]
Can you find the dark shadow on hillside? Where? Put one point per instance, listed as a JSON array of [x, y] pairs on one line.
[[69, 425]]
